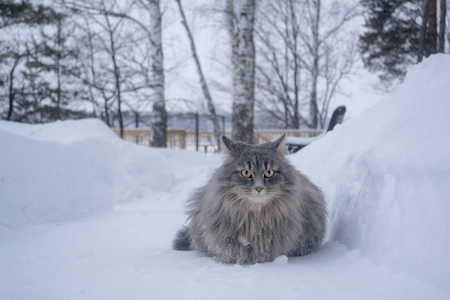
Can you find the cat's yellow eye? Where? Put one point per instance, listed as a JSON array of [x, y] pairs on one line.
[[269, 173], [246, 173]]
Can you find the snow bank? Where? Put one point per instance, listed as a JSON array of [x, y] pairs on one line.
[[52, 173], [386, 176], [64, 170]]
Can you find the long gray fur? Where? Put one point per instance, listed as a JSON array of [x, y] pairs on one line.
[[227, 220]]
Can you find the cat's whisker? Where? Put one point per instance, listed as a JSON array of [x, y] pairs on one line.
[[234, 200]]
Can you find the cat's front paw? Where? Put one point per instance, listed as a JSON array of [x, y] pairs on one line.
[[237, 252]]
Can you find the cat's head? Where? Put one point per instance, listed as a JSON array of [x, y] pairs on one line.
[[256, 173]]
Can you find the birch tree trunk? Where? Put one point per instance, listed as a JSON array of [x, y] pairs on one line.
[[297, 67], [313, 107], [205, 89], [159, 122], [233, 34], [243, 58]]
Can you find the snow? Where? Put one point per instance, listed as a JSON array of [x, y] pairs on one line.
[[301, 140], [388, 173], [64, 170], [43, 180], [84, 215]]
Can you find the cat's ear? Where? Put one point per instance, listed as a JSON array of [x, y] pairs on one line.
[[280, 144], [227, 144]]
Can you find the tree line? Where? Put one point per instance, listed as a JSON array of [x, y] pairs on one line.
[[400, 33], [98, 58]]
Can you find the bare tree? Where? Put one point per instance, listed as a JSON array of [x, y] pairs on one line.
[[301, 60], [278, 62], [315, 40], [154, 78], [94, 74], [240, 29], [116, 71], [205, 89], [110, 45], [334, 70]]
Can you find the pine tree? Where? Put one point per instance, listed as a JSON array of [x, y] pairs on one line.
[[12, 13], [12, 55], [33, 96], [391, 40], [53, 55]]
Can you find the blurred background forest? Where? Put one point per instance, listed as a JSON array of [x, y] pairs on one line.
[[245, 64]]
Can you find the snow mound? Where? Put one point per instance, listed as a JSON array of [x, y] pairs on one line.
[[61, 171], [62, 132], [386, 176]]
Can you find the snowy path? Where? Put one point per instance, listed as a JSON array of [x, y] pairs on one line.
[[127, 255]]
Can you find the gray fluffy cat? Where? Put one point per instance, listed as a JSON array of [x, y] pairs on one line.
[[255, 207]]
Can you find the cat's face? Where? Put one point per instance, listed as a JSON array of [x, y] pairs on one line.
[[256, 173]]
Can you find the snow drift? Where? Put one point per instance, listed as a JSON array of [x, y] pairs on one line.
[[54, 175], [64, 170], [386, 175]]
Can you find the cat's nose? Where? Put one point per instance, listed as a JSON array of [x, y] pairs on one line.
[[259, 189]]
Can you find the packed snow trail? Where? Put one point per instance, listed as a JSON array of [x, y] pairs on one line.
[[127, 255]]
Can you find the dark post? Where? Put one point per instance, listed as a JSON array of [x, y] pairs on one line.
[[219, 145], [223, 124], [196, 132], [337, 117], [136, 116]]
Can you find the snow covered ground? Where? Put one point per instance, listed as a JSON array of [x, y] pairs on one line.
[[84, 215]]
